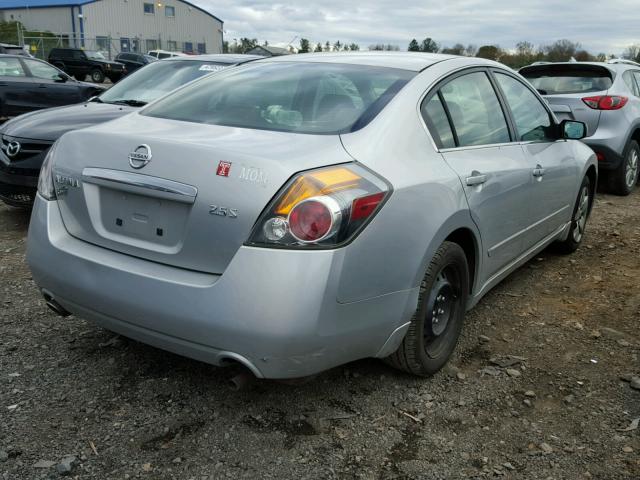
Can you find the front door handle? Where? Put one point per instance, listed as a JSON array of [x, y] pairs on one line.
[[475, 179], [538, 171], [42, 85]]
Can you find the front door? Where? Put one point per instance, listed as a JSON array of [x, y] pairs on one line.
[[551, 160], [52, 89], [475, 141]]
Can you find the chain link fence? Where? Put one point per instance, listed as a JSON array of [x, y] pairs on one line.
[[40, 45]]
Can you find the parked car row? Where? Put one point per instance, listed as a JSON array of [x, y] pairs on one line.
[[25, 141], [295, 214]]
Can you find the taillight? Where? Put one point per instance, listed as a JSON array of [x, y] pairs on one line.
[[323, 208], [606, 102], [600, 156]]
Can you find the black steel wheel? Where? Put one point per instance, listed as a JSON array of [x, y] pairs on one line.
[[437, 322]]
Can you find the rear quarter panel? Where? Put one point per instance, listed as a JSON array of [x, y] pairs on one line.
[[427, 204]]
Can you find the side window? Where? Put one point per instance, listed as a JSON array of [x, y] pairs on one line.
[[436, 118], [630, 81], [42, 70], [149, 8], [78, 55], [11, 67], [636, 75], [533, 121], [475, 110]]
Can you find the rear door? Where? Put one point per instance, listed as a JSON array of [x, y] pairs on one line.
[[475, 139], [553, 168], [565, 85], [17, 92]]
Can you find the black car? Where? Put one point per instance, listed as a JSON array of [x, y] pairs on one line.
[[28, 84], [133, 61], [82, 63], [25, 141]]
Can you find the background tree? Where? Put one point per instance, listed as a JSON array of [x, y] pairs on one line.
[[376, 47], [327, 47], [429, 45], [414, 46], [632, 53], [490, 52], [561, 50], [337, 46], [354, 47], [457, 49], [471, 50], [318, 47], [583, 56], [305, 47]]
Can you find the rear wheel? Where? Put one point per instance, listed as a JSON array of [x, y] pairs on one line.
[[623, 180], [579, 218], [437, 322], [97, 76]]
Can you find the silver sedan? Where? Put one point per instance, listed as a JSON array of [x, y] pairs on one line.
[[300, 212]]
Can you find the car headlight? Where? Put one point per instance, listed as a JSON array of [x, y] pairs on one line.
[[46, 188]]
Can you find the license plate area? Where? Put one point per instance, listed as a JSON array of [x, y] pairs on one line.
[[142, 221]]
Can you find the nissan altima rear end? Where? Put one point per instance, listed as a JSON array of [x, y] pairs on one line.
[[295, 215]]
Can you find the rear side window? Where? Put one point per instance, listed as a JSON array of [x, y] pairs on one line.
[[475, 111], [314, 98], [631, 79], [531, 118], [434, 114], [562, 79]]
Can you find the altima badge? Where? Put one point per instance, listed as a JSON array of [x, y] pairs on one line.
[[140, 156]]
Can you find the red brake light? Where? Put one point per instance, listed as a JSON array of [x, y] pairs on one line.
[[606, 102], [365, 206], [313, 219]]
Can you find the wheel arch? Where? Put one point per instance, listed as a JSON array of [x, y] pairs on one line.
[[459, 229]]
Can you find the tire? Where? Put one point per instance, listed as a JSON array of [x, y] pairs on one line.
[[97, 76], [427, 345], [579, 218], [623, 180]]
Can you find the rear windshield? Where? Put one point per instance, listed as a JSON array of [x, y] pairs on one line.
[[157, 79], [557, 79], [317, 98]]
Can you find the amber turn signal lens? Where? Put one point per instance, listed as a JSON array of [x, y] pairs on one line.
[[317, 183]]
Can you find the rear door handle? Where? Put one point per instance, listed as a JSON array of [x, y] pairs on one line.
[[475, 179], [538, 171]]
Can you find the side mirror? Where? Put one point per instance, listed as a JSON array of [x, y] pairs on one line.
[[572, 130], [62, 77]]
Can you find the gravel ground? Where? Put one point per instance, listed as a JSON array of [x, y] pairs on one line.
[[540, 388]]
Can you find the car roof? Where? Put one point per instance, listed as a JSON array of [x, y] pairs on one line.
[[415, 61], [221, 58]]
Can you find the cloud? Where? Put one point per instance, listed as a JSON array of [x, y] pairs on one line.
[[599, 26]]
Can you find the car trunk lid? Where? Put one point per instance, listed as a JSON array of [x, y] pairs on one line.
[[196, 200]]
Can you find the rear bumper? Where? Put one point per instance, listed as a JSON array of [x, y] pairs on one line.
[[612, 158], [274, 311]]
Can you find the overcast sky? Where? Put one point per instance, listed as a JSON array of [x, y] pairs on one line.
[[600, 26]]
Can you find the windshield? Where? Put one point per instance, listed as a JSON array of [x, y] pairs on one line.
[[95, 55], [561, 79], [157, 79], [319, 98]]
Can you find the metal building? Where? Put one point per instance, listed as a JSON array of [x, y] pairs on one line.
[[116, 25]]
